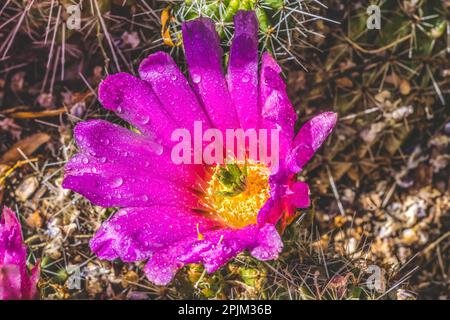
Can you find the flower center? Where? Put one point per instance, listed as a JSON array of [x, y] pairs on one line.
[[236, 192]]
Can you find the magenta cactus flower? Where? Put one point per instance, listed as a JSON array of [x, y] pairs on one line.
[[15, 282], [173, 213]]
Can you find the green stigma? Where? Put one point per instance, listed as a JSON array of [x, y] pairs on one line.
[[233, 179]]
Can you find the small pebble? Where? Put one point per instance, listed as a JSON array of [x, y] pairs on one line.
[[26, 188]]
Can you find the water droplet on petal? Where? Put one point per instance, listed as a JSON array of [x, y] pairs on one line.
[[119, 110], [145, 119], [85, 160], [159, 150], [117, 182], [102, 159], [196, 78], [245, 78], [173, 77]]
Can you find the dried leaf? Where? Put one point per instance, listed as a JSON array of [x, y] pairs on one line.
[[37, 114], [27, 146]]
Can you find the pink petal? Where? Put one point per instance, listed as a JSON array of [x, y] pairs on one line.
[[276, 106], [297, 195], [216, 249], [15, 283], [270, 212], [133, 100], [120, 168], [269, 244], [243, 69], [12, 249], [10, 282], [309, 139], [204, 58], [132, 234], [111, 186], [173, 90], [277, 110], [112, 145]]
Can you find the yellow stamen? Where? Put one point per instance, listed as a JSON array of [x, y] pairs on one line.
[[242, 209], [199, 235]]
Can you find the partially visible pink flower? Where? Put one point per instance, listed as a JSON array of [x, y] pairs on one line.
[[15, 282], [173, 215]]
